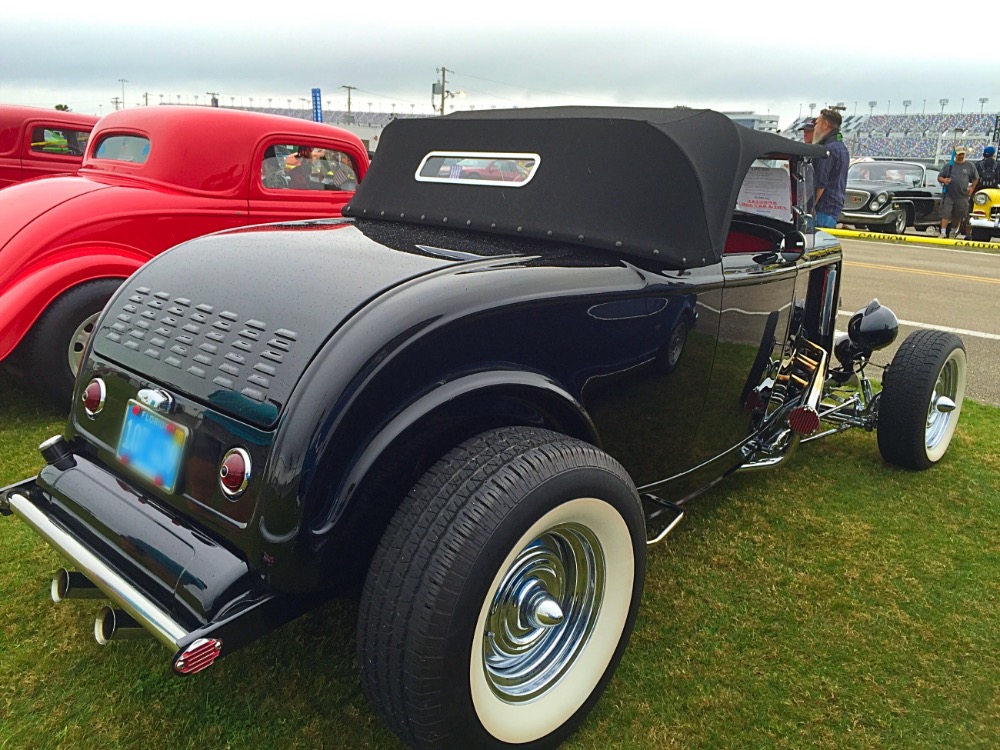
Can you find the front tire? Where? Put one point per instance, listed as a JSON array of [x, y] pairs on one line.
[[898, 225], [921, 399], [503, 593], [53, 349]]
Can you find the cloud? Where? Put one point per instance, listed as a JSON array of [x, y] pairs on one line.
[[549, 56]]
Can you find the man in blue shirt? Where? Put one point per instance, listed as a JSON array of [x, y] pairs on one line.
[[831, 172]]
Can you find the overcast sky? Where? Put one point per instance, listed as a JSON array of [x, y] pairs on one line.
[[761, 56]]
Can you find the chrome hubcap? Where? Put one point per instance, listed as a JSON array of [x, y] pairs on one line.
[[74, 356], [543, 613], [942, 404]]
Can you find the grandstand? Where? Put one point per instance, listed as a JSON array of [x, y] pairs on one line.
[[366, 125], [924, 138]]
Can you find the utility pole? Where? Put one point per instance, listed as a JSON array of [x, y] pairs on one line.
[[215, 97], [122, 81], [116, 101], [444, 85], [349, 90]]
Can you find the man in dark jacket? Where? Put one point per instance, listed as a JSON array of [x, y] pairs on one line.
[[989, 170], [831, 172]]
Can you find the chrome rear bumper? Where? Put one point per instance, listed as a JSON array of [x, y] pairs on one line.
[[185, 590], [160, 624]]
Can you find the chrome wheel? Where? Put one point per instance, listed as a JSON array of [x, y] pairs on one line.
[[921, 399], [503, 593], [941, 410], [78, 342], [899, 226], [543, 613]]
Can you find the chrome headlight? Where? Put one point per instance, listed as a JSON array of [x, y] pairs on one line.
[[981, 199], [879, 200]]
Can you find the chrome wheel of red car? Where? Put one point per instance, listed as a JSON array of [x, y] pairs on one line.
[[74, 355], [53, 350]]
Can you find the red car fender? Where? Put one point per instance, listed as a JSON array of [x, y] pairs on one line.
[[27, 296]]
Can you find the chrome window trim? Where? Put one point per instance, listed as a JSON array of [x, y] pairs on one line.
[[478, 155]]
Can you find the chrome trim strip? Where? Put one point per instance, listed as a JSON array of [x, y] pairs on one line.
[[866, 217], [662, 535], [479, 155], [148, 613]]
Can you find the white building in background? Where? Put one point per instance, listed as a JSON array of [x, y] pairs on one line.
[[754, 121]]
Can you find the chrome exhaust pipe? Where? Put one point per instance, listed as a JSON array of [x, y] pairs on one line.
[[68, 584], [118, 625]]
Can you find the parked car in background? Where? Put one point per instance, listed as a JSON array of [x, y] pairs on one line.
[[152, 177], [36, 142], [984, 219], [482, 401], [889, 196]]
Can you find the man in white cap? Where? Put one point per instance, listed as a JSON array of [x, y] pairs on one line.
[[960, 180]]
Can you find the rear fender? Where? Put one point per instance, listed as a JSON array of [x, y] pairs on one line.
[[28, 295], [354, 511], [518, 395]]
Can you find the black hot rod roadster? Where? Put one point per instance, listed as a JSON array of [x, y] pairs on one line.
[[480, 396]]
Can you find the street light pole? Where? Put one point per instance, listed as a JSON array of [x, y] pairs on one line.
[[942, 102], [871, 107], [982, 103], [906, 104], [123, 81]]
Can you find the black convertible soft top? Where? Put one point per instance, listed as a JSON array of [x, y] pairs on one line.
[[656, 183]]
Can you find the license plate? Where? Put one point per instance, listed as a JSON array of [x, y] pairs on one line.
[[152, 445]]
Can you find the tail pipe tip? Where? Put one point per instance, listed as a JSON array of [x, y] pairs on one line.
[[68, 584], [116, 624]]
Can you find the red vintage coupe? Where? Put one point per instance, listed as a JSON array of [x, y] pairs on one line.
[[36, 142], [152, 177]]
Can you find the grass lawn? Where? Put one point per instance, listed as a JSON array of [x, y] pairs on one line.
[[835, 602]]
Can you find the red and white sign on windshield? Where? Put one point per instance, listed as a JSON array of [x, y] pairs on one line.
[[766, 191]]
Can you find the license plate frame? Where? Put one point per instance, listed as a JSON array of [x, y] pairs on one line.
[[152, 446]]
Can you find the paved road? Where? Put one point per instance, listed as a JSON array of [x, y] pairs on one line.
[[931, 287]]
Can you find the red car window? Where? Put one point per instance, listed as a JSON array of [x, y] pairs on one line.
[[51, 141], [130, 148], [305, 167]]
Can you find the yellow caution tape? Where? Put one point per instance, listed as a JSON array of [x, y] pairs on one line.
[[912, 238]]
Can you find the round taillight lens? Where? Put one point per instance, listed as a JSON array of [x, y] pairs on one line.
[[234, 472], [93, 397]]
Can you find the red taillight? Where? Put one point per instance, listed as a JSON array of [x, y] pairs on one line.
[[198, 656], [234, 472], [93, 397], [804, 420]]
